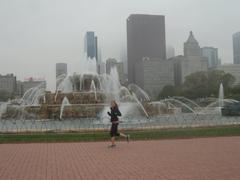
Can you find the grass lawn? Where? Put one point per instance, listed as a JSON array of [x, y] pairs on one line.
[[135, 135]]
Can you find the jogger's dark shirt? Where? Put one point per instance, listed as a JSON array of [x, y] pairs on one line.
[[114, 118], [114, 114]]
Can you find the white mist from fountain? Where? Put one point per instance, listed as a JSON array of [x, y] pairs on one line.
[[88, 66], [113, 85], [65, 103]]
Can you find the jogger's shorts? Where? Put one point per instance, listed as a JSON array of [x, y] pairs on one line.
[[114, 130]]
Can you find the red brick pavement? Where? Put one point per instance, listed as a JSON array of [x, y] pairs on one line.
[[189, 159]]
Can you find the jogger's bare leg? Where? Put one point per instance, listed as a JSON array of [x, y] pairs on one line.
[[113, 140]]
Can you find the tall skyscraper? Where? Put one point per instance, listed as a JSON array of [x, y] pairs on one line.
[[211, 54], [191, 46], [90, 45], [145, 38], [236, 48]]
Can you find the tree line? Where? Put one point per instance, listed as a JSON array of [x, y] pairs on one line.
[[204, 84]]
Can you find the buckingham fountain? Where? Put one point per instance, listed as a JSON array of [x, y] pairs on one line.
[[81, 102]]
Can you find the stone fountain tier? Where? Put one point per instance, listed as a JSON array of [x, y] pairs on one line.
[[46, 111], [74, 98], [94, 110], [52, 111], [81, 105]]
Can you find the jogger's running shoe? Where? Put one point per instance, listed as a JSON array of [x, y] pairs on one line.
[[112, 146]]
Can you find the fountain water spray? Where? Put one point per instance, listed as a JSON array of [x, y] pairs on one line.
[[140, 104], [65, 103], [93, 89], [65, 86], [31, 96], [221, 96], [112, 84], [139, 92], [180, 103]]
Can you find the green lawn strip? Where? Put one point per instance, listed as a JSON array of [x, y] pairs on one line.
[[135, 135], [186, 133], [53, 137]]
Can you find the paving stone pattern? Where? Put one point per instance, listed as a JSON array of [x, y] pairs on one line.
[[186, 159]]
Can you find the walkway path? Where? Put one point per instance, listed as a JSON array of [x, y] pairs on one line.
[[189, 159]]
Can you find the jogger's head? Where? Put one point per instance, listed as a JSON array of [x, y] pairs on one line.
[[114, 104]]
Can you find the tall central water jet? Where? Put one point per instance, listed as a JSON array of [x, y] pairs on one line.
[[221, 96]]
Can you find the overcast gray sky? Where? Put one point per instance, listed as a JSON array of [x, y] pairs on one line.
[[36, 34]]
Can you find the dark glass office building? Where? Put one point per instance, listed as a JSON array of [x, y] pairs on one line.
[[145, 38], [90, 45], [236, 48]]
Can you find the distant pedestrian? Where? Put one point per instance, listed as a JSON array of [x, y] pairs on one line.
[[114, 113]]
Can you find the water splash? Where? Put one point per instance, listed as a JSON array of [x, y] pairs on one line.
[[65, 103], [189, 101], [32, 95], [140, 104], [180, 103], [115, 84], [66, 86], [139, 92], [93, 89]]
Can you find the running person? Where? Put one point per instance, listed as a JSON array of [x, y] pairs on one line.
[[115, 121]]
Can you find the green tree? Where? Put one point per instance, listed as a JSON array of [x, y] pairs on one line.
[[202, 84], [168, 90], [215, 78], [196, 85], [235, 93]]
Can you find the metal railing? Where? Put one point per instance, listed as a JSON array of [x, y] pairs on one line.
[[127, 123]]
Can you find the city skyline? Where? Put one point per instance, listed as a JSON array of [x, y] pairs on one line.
[[40, 34]]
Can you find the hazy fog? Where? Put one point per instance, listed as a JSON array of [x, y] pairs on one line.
[[36, 34]]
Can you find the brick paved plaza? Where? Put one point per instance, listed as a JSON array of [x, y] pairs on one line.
[[187, 159]]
